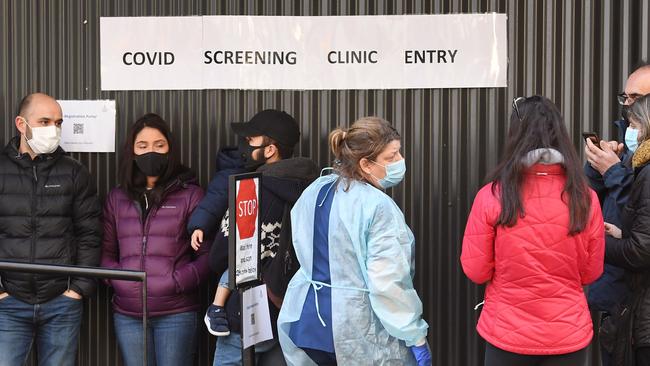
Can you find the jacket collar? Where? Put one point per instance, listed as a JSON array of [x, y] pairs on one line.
[[229, 158], [641, 156], [621, 126], [546, 156], [298, 168], [184, 178], [12, 150], [546, 169]]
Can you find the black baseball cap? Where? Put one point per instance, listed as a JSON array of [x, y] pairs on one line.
[[278, 125]]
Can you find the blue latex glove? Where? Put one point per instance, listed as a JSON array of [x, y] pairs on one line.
[[422, 354]]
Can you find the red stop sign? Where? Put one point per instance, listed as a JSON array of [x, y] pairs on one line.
[[246, 207]]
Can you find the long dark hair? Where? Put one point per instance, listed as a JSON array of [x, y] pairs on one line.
[[536, 123], [133, 181]]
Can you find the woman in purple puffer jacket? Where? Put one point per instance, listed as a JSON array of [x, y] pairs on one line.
[[144, 230]]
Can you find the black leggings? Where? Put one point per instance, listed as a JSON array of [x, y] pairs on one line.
[[498, 357]]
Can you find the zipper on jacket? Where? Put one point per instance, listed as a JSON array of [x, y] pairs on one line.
[[147, 221], [32, 248], [143, 223], [145, 235], [479, 305], [138, 208], [144, 251]]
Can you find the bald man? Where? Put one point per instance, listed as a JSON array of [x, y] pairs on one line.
[[602, 158], [49, 214], [610, 174]]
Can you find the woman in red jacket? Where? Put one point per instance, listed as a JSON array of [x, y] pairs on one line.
[[535, 236]]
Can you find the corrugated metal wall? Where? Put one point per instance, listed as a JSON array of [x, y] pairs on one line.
[[577, 53]]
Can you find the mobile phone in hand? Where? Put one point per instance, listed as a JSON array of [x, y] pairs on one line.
[[593, 137]]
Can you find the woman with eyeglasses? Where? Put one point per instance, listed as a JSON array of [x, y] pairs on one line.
[[535, 236], [629, 247]]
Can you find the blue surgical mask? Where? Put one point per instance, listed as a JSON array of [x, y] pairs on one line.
[[631, 138], [394, 174]]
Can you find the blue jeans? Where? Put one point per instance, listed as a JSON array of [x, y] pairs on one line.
[[171, 339], [228, 352], [223, 280], [53, 326]]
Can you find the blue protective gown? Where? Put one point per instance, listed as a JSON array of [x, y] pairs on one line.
[[308, 332], [375, 313]]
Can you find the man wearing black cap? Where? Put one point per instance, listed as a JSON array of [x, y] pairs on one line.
[[268, 137], [266, 145]]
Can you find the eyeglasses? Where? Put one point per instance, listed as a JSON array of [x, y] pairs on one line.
[[516, 107], [623, 98]]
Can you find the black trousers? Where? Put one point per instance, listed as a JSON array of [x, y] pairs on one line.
[[498, 357], [642, 356]]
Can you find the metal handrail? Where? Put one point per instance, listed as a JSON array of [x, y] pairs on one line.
[[96, 272]]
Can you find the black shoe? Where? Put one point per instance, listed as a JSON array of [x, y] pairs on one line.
[[216, 321]]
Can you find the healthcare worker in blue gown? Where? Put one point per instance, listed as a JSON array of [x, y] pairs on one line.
[[352, 302]]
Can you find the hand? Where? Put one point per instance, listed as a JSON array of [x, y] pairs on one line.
[[618, 148], [613, 230], [604, 158], [3, 295], [422, 354], [72, 294], [197, 239]]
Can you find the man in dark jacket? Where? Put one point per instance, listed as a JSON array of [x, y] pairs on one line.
[[610, 174], [266, 145], [49, 214]]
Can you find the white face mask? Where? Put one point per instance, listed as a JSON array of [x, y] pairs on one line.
[[44, 139]]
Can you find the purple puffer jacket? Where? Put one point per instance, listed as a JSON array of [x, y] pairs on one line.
[[160, 246]]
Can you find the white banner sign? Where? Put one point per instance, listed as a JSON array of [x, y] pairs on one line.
[[146, 53], [325, 52], [88, 125]]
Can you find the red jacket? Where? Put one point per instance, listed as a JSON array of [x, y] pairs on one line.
[[534, 302]]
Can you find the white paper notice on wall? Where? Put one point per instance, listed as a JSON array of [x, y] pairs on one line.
[[256, 319], [88, 125], [305, 52]]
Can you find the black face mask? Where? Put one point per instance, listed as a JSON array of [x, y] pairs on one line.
[[151, 164], [246, 154]]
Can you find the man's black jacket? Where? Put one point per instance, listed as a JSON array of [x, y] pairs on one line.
[[49, 214]]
